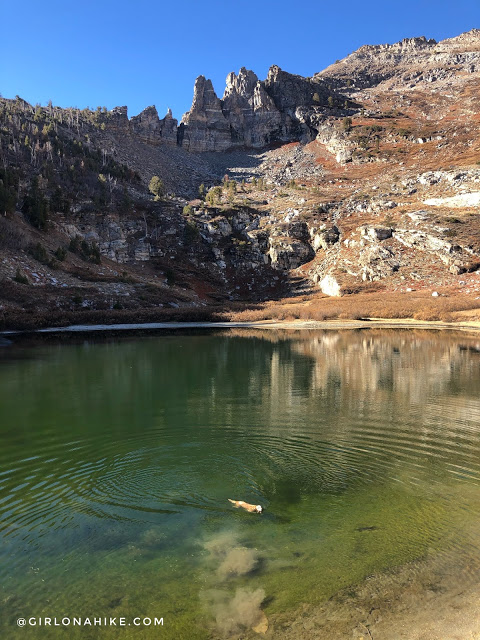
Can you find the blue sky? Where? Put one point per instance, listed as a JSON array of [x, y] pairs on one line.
[[109, 53]]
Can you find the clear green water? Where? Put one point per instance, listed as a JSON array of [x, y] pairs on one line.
[[117, 459]]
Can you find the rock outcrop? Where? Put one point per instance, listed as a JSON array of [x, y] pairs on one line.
[[377, 262], [288, 253], [255, 114], [204, 127], [410, 62], [330, 286], [146, 127], [324, 238], [254, 119], [149, 128]]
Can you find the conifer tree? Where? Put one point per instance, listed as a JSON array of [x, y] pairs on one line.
[[157, 187]]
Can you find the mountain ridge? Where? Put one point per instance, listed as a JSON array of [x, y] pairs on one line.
[[363, 178]]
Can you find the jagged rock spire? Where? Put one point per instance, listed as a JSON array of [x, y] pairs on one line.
[[242, 85], [204, 127], [204, 97]]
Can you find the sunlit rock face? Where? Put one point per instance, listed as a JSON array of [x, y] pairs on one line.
[[204, 127], [410, 63], [252, 113]]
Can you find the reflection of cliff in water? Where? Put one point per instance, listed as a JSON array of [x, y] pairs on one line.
[[336, 408], [337, 365]]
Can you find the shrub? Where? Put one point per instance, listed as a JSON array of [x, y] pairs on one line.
[[58, 201], [169, 274], [8, 191], [453, 220], [127, 278], [20, 277], [38, 252], [60, 254], [191, 231], [214, 195]]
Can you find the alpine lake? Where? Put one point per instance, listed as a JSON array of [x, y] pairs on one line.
[[118, 456]]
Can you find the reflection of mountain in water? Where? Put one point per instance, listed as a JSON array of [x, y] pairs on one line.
[[394, 366], [340, 407]]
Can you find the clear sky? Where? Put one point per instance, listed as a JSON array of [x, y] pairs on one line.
[[137, 53]]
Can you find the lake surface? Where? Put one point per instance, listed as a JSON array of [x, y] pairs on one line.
[[117, 459]]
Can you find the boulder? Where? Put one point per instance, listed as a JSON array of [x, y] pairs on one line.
[[335, 141], [330, 286]]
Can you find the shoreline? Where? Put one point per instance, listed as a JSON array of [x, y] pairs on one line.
[[428, 598], [367, 323]]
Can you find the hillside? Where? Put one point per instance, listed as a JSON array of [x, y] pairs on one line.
[[355, 193]]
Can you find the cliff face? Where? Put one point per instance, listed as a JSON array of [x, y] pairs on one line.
[[149, 128], [252, 114], [146, 127], [255, 120], [205, 128]]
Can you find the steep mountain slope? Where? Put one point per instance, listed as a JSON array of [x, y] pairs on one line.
[[406, 64], [361, 178]]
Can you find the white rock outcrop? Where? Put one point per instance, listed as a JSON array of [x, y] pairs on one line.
[[330, 286]]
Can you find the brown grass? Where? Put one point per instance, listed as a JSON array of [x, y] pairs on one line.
[[419, 306], [387, 305]]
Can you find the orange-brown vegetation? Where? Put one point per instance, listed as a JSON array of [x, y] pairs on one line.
[[416, 305]]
